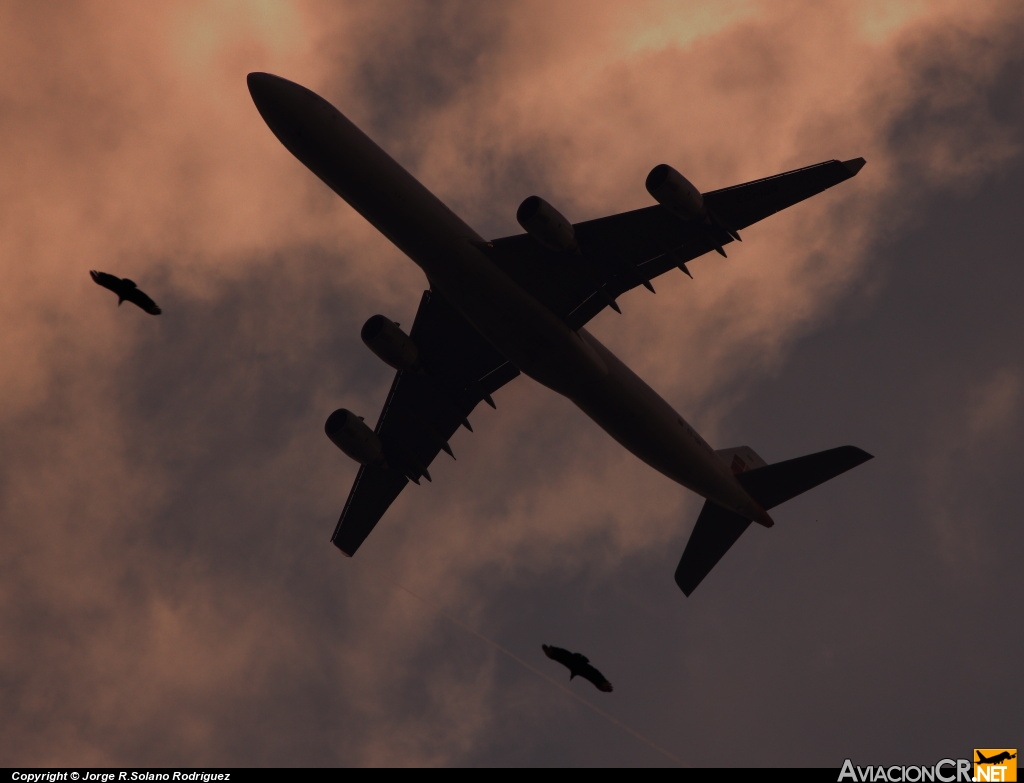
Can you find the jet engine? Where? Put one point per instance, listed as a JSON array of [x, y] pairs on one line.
[[546, 224], [348, 432], [675, 192], [391, 345]]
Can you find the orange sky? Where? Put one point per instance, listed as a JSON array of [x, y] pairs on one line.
[[165, 487]]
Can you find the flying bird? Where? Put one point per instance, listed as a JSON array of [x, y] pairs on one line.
[[126, 291], [578, 664]]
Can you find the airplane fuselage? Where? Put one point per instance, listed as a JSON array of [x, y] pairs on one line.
[[541, 345]]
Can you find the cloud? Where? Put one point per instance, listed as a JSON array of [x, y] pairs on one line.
[[969, 454]]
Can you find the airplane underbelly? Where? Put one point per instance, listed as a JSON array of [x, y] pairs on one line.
[[514, 322], [640, 420]]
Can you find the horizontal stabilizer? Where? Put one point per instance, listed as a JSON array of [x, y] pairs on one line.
[[777, 483], [717, 529]]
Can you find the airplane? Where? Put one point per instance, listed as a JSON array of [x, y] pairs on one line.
[[996, 759], [519, 304]]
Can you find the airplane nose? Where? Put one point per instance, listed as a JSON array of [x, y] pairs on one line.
[[276, 97], [277, 101], [260, 84], [292, 112]]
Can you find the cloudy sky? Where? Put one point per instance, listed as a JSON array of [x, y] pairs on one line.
[[169, 595]]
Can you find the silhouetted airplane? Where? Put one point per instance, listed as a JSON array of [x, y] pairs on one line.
[[578, 665], [519, 304], [996, 759], [126, 291]]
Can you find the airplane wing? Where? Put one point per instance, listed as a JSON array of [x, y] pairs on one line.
[[620, 252], [422, 412]]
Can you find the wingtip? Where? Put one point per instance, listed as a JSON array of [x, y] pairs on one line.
[[862, 455], [341, 548], [854, 455], [854, 165]]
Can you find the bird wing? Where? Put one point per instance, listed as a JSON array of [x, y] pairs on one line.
[[588, 672], [563, 657], [113, 282], [137, 297]]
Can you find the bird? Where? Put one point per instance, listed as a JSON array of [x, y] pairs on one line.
[[578, 664], [126, 290]]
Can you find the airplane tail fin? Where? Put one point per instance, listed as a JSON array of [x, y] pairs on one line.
[[717, 528], [782, 481]]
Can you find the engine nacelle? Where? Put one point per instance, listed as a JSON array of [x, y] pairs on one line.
[[675, 192], [391, 345], [348, 432], [546, 224]]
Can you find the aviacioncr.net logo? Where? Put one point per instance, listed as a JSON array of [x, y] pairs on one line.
[[945, 771]]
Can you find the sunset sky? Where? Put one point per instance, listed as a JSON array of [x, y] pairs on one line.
[[168, 592]]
